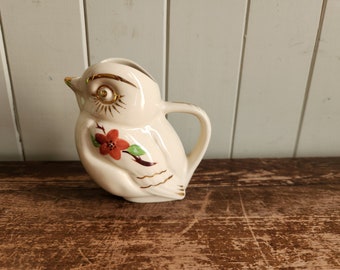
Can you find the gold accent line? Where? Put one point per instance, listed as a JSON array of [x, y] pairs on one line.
[[110, 76], [150, 176], [167, 179], [114, 107]]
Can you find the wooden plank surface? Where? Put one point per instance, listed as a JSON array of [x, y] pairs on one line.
[[238, 214]]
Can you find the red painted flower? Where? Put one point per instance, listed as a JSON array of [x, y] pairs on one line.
[[111, 144]]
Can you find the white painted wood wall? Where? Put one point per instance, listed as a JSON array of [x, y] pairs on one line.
[[266, 71]]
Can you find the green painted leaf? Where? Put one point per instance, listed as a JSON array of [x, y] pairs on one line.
[[136, 150], [94, 141]]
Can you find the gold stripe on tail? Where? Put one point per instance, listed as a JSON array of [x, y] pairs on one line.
[[167, 179], [150, 176]]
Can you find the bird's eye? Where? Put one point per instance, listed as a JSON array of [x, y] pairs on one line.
[[108, 100], [102, 92], [107, 95]]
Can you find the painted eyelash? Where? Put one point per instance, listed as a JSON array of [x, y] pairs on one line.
[[109, 107]]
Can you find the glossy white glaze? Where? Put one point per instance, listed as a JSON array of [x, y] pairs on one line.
[[123, 138]]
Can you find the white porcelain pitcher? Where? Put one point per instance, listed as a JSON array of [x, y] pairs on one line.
[[123, 138]]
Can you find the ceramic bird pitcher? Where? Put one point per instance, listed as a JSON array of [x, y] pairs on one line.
[[123, 138]]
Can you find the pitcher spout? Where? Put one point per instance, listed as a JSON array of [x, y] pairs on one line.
[[72, 82]]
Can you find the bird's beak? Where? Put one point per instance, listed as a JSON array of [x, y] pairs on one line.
[[71, 82]]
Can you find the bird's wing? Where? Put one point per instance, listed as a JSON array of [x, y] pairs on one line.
[[162, 182], [140, 155]]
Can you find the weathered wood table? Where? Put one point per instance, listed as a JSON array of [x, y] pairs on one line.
[[238, 214]]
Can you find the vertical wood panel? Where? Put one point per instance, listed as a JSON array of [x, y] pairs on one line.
[[204, 57], [320, 135], [45, 43], [128, 29], [10, 147], [279, 47]]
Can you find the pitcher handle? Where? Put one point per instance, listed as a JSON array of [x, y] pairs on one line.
[[197, 153]]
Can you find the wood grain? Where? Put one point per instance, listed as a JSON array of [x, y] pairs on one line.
[[238, 214]]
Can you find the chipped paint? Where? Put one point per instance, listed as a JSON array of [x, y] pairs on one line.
[[53, 216]]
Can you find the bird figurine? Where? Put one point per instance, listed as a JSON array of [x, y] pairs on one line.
[[123, 138]]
